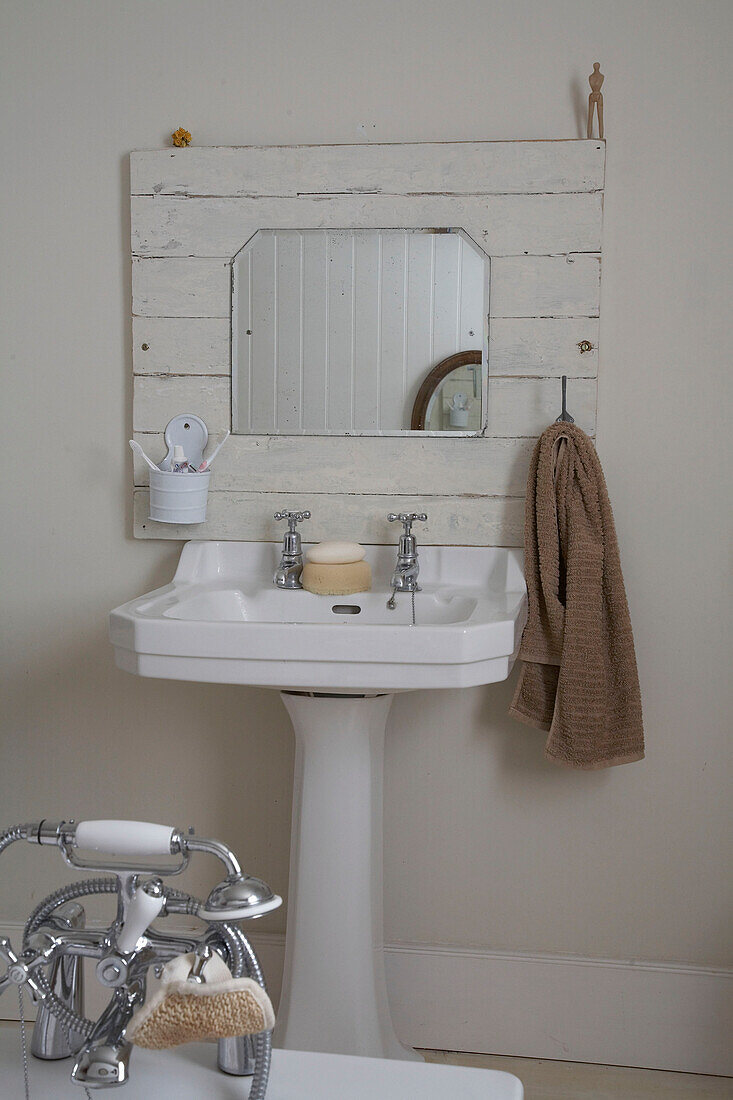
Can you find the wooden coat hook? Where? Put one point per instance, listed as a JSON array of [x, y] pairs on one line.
[[595, 99]]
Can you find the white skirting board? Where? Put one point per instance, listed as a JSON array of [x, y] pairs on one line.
[[613, 1012], [652, 1015]]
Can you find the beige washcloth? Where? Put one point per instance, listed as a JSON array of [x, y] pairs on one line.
[[179, 1011], [579, 678]]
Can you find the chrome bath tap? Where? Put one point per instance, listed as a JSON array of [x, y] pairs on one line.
[[55, 940], [407, 570], [287, 574]]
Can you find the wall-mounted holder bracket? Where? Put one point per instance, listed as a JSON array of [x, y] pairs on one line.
[[189, 432]]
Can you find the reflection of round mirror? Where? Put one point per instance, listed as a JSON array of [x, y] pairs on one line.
[[449, 400]]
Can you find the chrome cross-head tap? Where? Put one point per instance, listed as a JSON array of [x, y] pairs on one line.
[[404, 578], [55, 942], [287, 574]]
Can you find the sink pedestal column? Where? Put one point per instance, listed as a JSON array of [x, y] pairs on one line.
[[334, 992]]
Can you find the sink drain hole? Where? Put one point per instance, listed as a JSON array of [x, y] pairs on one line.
[[346, 609]]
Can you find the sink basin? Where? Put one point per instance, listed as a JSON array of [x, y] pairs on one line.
[[221, 620], [276, 606], [337, 660]]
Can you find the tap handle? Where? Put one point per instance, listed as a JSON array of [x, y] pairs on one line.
[[139, 839], [407, 519], [20, 967], [144, 906], [293, 518]]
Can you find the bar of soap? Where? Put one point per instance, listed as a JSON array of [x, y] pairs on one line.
[[336, 553], [342, 579]]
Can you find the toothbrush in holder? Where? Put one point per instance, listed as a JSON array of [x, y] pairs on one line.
[[137, 449], [207, 461]]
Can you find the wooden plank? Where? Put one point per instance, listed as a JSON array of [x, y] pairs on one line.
[[453, 520], [517, 346], [504, 225], [181, 345], [518, 408], [404, 465], [480, 167], [521, 286], [543, 346], [181, 288], [525, 406], [156, 398], [545, 286]]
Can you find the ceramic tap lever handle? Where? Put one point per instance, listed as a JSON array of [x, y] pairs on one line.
[[293, 518], [144, 906], [407, 519], [126, 838]]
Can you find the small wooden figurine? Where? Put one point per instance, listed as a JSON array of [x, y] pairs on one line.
[[595, 99]]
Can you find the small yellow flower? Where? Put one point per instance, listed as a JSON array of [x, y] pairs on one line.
[[181, 137]]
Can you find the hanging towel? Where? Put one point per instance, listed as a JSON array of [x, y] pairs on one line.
[[578, 680]]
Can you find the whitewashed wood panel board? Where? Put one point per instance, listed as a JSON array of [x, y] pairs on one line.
[[543, 346], [527, 346], [518, 407], [378, 466], [521, 286], [156, 398], [504, 225], [181, 345], [378, 308], [546, 286], [536, 208], [471, 167], [181, 288], [247, 517], [525, 406]]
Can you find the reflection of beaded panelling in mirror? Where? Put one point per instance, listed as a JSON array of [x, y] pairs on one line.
[[334, 329]]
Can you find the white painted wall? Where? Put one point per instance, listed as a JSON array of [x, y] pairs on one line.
[[487, 845]]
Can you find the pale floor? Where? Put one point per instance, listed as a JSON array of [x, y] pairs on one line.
[[546, 1080]]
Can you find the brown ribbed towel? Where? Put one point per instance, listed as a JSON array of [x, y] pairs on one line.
[[579, 678]]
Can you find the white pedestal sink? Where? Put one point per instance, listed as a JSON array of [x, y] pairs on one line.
[[338, 661]]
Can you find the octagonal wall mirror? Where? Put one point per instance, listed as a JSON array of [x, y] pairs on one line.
[[337, 331]]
